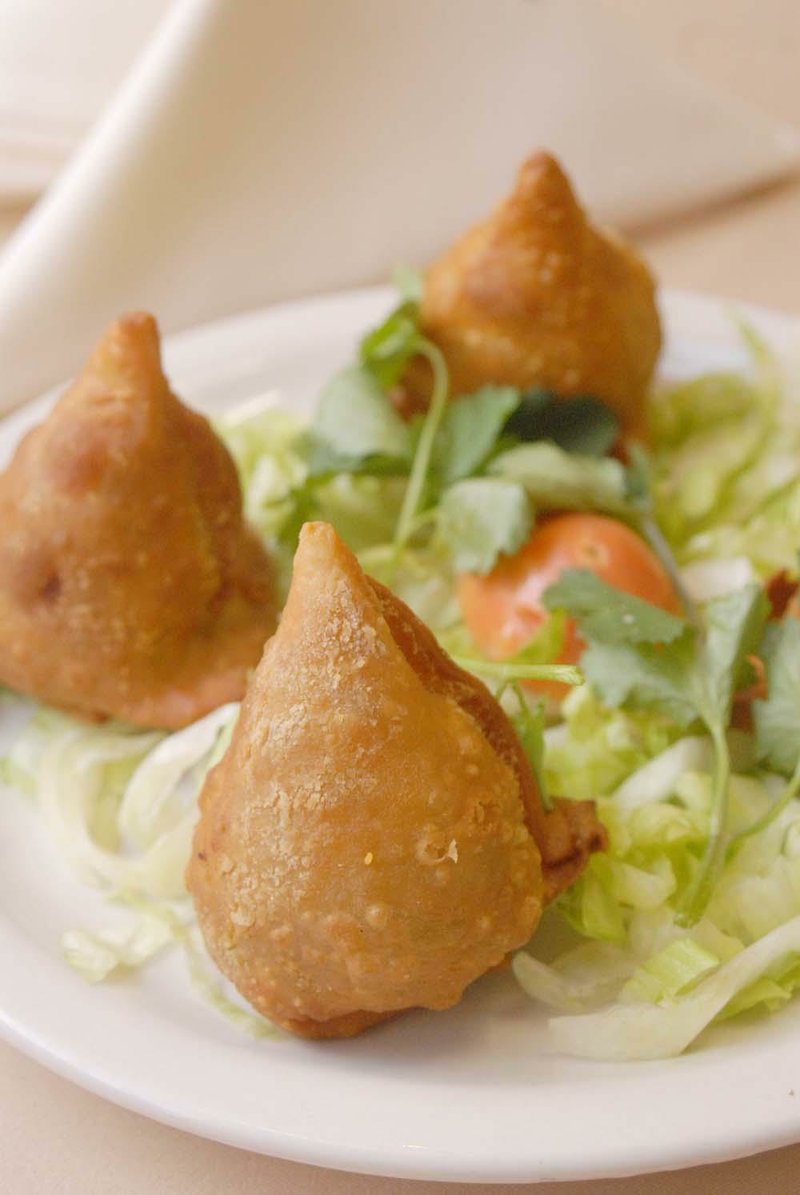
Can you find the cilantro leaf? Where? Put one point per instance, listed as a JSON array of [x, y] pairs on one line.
[[643, 676], [481, 517], [734, 623], [470, 428], [638, 654], [581, 424], [356, 422], [557, 480], [777, 717], [386, 351], [608, 614]]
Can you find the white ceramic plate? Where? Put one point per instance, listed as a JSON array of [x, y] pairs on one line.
[[471, 1094]]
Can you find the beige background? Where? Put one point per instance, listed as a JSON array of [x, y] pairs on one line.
[[58, 1140], [742, 250]]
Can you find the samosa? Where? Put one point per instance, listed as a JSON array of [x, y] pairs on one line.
[[368, 842], [535, 295], [130, 585]]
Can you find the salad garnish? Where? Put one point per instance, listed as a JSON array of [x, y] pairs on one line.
[[643, 656]]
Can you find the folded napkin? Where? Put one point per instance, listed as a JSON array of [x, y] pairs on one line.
[[60, 63], [260, 150]]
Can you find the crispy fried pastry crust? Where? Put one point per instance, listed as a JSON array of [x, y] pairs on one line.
[[362, 847], [129, 584], [365, 845], [536, 296], [567, 834]]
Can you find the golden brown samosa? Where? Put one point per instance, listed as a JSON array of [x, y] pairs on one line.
[[535, 295], [130, 586], [365, 845]]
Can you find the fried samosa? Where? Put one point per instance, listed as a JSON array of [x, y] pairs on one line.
[[368, 843], [536, 296], [130, 585]]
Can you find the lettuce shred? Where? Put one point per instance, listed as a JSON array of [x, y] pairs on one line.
[[638, 985], [120, 804], [725, 450], [269, 448]]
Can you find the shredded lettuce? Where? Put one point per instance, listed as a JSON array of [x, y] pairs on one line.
[[726, 449], [661, 983], [593, 750], [628, 1031], [155, 927], [97, 955], [119, 803], [265, 443], [121, 806]]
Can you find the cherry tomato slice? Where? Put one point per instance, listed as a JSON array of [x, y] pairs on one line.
[[503, 610]]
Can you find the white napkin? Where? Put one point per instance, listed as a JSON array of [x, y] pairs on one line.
[[264, 149], [60, 63]]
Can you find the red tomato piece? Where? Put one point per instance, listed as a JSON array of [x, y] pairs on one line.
[[503, 610]]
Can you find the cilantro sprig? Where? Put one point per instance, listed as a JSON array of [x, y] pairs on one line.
[[478, 469], [641, 656], [425, 445], [478, 518]]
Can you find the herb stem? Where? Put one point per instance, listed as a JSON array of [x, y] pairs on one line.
[[567, 674], [789, 793], [529, 725], [640, 480], [422, 457], [378, 555], [652, 533], [698, 894]]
